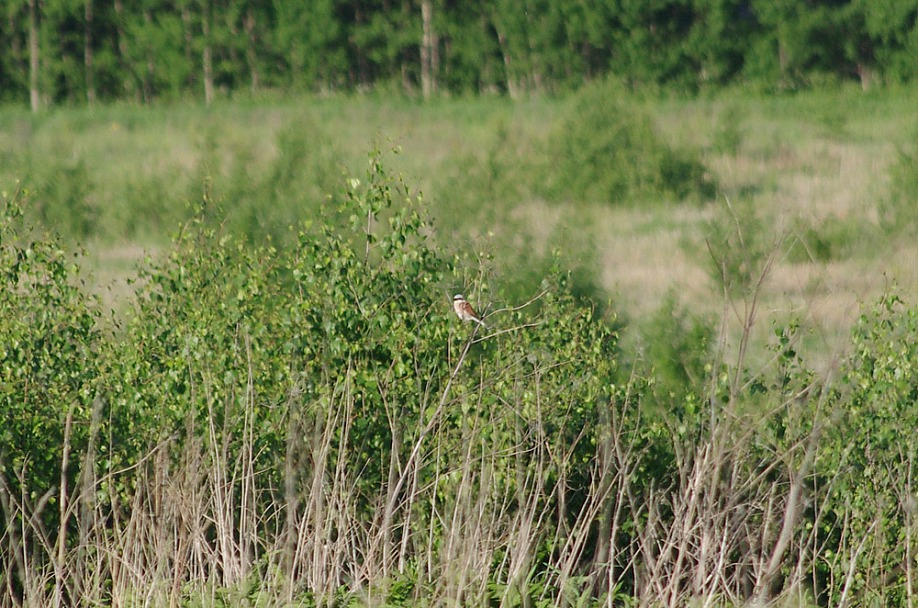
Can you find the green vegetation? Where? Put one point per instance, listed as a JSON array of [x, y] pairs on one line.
[[310, 425], [607, 151], [695, 385], [83, 51], [897, 210], [230, 374]]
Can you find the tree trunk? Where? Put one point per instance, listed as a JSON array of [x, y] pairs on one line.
[[87, 54], [512, 90], [147, 83], [207, 53], [866, 75], [33, 56], [250, 53], [428, 44]]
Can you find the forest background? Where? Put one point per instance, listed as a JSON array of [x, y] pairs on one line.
[[73, 51], [231, 232]]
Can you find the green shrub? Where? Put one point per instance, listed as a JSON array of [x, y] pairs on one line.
[[729, 133], [148, 210], [264, 203], [897, 210], [607, 150], [51, 352], [868, 459], [60, 193], [343, 352], [679, 347], [307, 169], [740, 249], [832, 240]]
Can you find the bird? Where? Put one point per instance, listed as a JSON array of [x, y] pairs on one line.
[[464, 310]]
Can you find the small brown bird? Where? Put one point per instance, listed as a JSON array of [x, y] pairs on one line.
[[465, 311]]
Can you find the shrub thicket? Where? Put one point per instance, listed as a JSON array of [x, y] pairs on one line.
[[60, 192], [607, 150], [314, 426], [306, 168]]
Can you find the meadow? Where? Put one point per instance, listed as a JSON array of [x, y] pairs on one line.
[[696, 385], [811, 169]]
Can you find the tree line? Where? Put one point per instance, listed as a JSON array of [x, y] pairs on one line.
[[81, 51]]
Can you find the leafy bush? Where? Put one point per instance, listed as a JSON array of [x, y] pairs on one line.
[[482, 189], [607, 150], [51, 355], [729, 133], [679, 346], [832, 240], [740, 249], [48, 340], [307, 169], [320, 394], [897, 211], [868, 460], [265, 203], [60, 196]]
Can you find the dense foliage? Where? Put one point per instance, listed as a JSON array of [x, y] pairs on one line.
[[608, 150], [312, 426], [77, 50]]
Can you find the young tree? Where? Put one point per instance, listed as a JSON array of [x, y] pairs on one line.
[[800, 39], [470, 53], [892, 28], [587, 29], [310, 42], [651, 42], [719, 39], [512, 24]]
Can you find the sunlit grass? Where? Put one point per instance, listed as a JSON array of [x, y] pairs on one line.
[[805, 164]]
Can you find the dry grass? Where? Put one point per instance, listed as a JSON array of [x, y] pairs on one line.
[[794, 175], [112, 270]]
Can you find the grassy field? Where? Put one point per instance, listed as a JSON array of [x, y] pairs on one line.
[[808, 173]]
